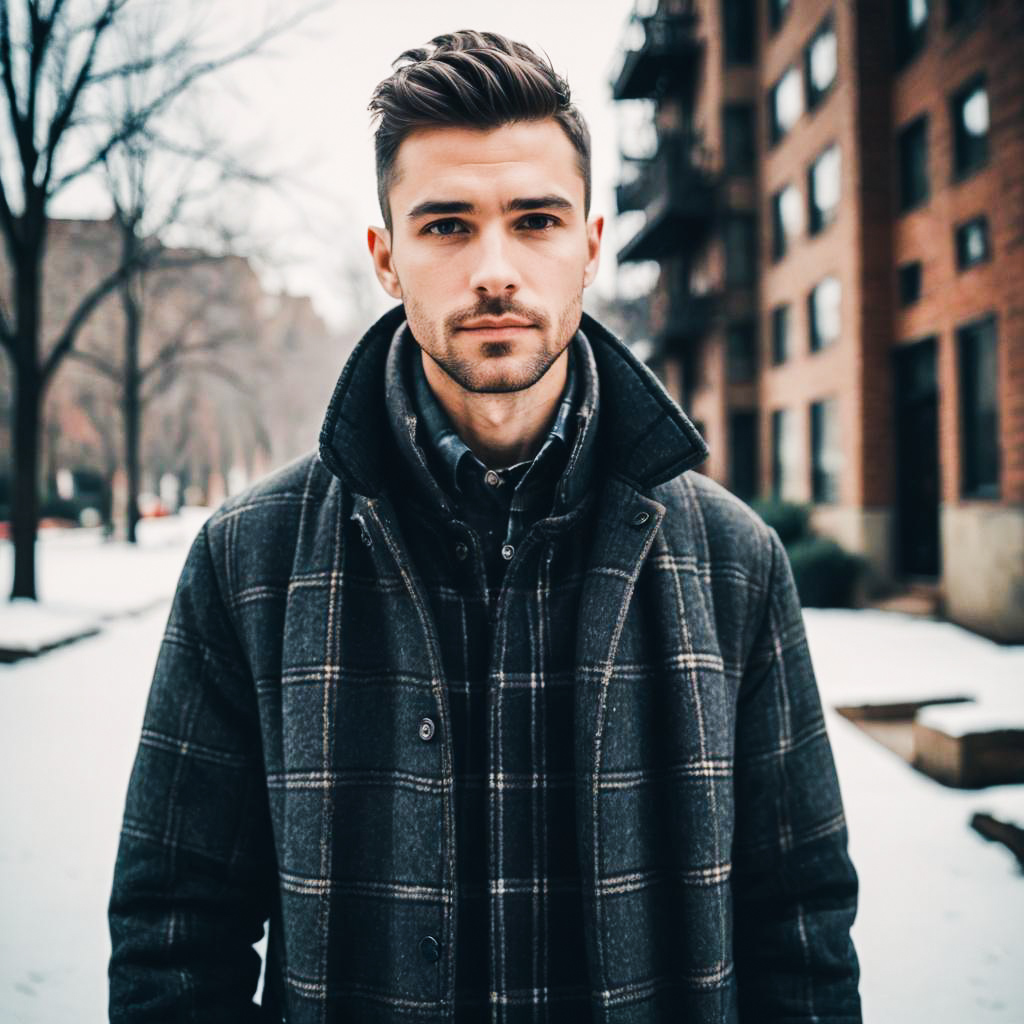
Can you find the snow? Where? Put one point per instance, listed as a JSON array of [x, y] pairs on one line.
[[83, 582], [938, 931], [875, 657], [969, 719]]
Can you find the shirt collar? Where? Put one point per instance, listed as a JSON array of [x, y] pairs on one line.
[[454, 458]]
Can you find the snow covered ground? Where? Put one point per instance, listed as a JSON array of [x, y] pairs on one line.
[[940, 927], [82, 581]]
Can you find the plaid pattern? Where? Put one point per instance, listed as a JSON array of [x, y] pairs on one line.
[[509, 676], [281, 772]]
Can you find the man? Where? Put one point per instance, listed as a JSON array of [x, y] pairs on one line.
[[492, 708]]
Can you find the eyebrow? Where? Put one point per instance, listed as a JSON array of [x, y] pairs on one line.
[[436, 207]]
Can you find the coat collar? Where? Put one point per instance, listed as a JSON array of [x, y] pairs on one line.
[[646, 439]]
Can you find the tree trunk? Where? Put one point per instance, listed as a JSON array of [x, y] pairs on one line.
[[25, 506], [131, 406], [28, 400]]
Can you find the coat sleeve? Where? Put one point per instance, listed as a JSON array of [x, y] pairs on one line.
[[191, 883], [794, 887]]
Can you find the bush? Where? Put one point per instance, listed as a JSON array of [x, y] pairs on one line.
[[790, 521], [826, 575]]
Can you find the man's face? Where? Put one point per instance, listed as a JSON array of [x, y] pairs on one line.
[[489, 249]]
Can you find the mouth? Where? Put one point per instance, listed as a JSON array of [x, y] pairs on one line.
[[496, 327]]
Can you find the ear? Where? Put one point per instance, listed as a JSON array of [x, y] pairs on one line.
[[378, 240], [595, 228]]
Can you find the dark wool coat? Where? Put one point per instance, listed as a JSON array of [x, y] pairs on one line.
[[281, 775]]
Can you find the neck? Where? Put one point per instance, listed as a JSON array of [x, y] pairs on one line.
[[501, 429]]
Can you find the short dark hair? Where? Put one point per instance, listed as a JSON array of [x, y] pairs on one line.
[[474, 80]]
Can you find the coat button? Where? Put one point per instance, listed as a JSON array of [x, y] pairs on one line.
[[430, 949], [426, 729], [640, 518], [461, 550], [492, 478], [507, 551]]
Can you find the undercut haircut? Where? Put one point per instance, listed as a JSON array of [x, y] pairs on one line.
[[470, 79]]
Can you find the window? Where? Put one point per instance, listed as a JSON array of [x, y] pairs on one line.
[[743, 454], [979, 409], [964, 11], [787, 219], [780, 334], [823, 313], [777, 11], [972, 244], [739, 138], [910, 283], [970, 127], [820, 63], [823, 188], [911, 29], [740, 255], [786, 103], [826, 455], [913, 146], [741, 352], [738, 16], [785, 457]]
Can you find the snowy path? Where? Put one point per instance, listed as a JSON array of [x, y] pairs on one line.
[[940, 927]]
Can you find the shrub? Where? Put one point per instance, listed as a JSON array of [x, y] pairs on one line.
[[790, 521], [826, 575]]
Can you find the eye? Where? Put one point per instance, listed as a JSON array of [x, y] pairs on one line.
[[445, 228], [537, 222]]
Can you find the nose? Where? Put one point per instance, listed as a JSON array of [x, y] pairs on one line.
[[494, 271]]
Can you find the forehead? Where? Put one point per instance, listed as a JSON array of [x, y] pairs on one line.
[[456, 163]]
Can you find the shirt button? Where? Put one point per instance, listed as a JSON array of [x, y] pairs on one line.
[[430, 949], [492, 478], [507, 551], [426, 729], [461, 550]]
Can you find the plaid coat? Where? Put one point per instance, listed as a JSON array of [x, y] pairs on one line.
[[280, 774]]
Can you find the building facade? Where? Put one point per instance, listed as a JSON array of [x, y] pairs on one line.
[[836, 205]]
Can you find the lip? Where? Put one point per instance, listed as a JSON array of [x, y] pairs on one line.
[[496, 324]]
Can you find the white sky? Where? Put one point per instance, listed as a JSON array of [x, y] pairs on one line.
[[304, 107]]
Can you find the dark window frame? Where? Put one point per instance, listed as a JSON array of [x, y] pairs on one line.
[[963, 258], [747, 164], [966, 164], [741, 332], [779, 418], [911, 197], [780, 240], [748, 279], [964, 12], [815, 339], [975, 483], [909, 41], [824, 486], [776, 17], [814, 97], [817, 220], [910, 277], [781, 333], [739, 35]]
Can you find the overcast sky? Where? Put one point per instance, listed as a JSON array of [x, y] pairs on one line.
[[305, 103]]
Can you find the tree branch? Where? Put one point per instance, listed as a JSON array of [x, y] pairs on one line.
[[62, 118], [20, 127], [98, 363]]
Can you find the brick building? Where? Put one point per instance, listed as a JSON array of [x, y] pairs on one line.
[[835, 200]]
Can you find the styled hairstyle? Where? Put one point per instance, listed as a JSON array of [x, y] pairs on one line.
[[470, 79]]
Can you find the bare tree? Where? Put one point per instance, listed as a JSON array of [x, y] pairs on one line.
[[58, 61]]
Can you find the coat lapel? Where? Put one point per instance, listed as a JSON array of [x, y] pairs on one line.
[[627, 523]]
